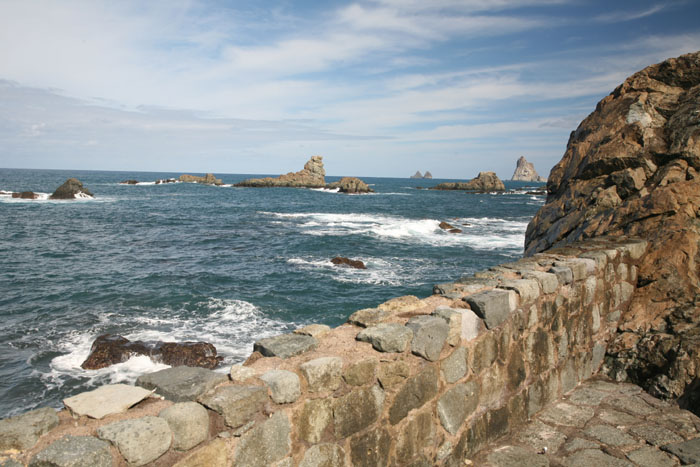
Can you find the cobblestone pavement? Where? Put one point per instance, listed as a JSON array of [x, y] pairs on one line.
[[601, 423]]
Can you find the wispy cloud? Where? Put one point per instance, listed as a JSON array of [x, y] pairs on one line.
[[621, 16]]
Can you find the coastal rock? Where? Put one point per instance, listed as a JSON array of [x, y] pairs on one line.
[[351, 263], [208, 179], [189, 422], [109, 349], [485, 182], [285, 345], [106, 400], [74, 451], [139, 440], [525, 172], [312, 176], [632, 168], [23, 431], [25, 195], [449, 227], [351, 185], [237, 404], [129, 182], [427, 174], [182, 383], [71, 189]]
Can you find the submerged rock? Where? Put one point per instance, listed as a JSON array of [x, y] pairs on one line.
[[352, 263], [25, 195], [129, 182], [485, 182], [71, 189], [311, 176], [525, 172], [109, 349], [351, 185]]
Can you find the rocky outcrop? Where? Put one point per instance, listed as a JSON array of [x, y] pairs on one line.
[[312, 176], [632, 167], [109, 349], [351, 185], [129, 182], [525, 172], [208, 179], [351, 263], [485, 182], [427, 174], [71, 189]]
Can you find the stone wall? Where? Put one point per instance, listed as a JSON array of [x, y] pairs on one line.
[[411, 382]]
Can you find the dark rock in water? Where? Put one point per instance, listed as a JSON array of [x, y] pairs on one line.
[[449, 227], [485, 182], [351, 185], [129, 182], [353, 263], [311, 176], [208, 179], [71, 189], [109, 349], [166, 180], [25, 195], [536, 193]]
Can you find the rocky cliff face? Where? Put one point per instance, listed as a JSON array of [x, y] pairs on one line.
[[312, 176], [525, 172], [632, 167], [485, 182]]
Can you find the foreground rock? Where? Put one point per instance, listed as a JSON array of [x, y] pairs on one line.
[[109, 349], [106, 400], [182, 383], [23, 431], [71, 189], [311, 176], [351, 185], [632, 167], [75, 451], [485, 182], [140, 440], [351, 263], [525, 172]]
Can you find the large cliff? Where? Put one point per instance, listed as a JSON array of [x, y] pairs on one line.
[[632, 167]]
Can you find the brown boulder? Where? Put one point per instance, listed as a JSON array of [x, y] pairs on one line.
[[449, 227], [485, 182], [110, 349], [351, 185], [25, 195], [311, 176], [352, 263], [632, 167]]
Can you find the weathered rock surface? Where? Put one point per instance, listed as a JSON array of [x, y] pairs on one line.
[[139, 440], [265, 443], [285, 345], [387, 337], [106, 400], [23, 431], [208, 179], [182, 383], [632, 167], [525, 172], [109, 349], [189, 422], [237, 404], [351, 185], [485, 182], [74, 451], [284, 385], [351, 263], [71, 189], [312, 176]]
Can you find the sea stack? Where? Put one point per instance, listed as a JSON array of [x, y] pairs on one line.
[[632, 168], [485, 182], [525, 172], [71, 189], [311, 176]]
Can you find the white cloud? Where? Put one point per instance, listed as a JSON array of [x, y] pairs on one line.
[[620, 16]]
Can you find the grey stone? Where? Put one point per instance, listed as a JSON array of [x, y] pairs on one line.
[[313, 419], [472, 325], [650, 457], [415, 392], [632, 404], [589, 287], [323, 374], [139, 440], [516, 456], [568, 376], [578, 268], [429, 336], [265, 443], [23, 431], [655, 434], [284, 385], [370, 449], [74, 451], [106, 400], [360, 373], [597, 355], [613, 316], [454, 367], [617, 418], [240, 373], [549, 282], [456, 404], [453, 318], [313, 330], [564, 274], [182, 383], [609, 435], [323, 455], [688, 451], [391, 374], [387, 337], [600, 258], [528, 289], [577, 444], [237, 404], [189, 422], [285, 345], [492, 306], [594, 457], [357, 410], [368, 317], [540, 436], [567, 415], [584, 395]]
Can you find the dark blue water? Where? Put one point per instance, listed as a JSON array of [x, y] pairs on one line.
[[220, 264]]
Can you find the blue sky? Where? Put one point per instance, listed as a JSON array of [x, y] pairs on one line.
[[378, 87]]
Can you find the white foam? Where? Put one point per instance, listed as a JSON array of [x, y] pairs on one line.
[[379, 271], [326, 190]]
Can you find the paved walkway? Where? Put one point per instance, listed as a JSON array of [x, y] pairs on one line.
[[601, 423]]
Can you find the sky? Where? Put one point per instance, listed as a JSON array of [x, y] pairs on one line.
[[377, 87]]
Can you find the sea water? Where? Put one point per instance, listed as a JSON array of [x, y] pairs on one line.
[[225, 265]]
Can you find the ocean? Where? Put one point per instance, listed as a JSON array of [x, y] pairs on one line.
[[187, 262]]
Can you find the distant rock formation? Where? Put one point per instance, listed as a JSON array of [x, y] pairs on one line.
[[71, 189], [427, 175], [525, 172], [208, 179], [485, 182], [420, 175], [110, 349], [449, 227], [632, 167], [25, 195], [351, 185], [312, 176], [352, 263]]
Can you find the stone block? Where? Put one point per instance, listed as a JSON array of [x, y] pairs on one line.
[[324, 455], [417, 433], [357, 410], [593, 457], [214, 454], [370, 449], [454, 367], [453, 318], [485, 352], [539, 436], [634, 250], [313, 330], [106, 400], [323, 374], [284, 385], [429, 336], [391, 374], [23, 431], [492, 306], [600, 258], [564, 274], [567, 415], [578, 267], [548, 281], [360, 373], [313, 419], [590, 287], [415, 392], [368, 317], [472, 325], [656, 435], [240, 373], [597, 356], [189, 423], [609, 435], [568, 376], [387, 337], [265, 443], [182, 383], [456, 404], [285, 345], [539, 351], [237, 404], [515, 369], [687, 451], [74, 451], [527, 289], [139, 440], [516, 456], [648, 456]]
